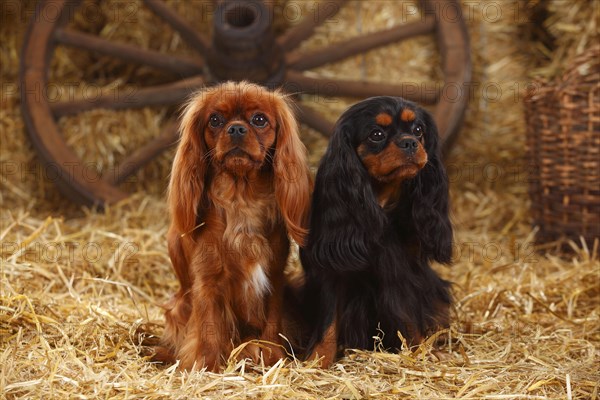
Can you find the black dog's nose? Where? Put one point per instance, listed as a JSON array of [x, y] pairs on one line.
[[237, 130], [408, 144]]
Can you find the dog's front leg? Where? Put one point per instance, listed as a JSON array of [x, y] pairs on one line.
[[270, 324], [324, 341], [209, 330]]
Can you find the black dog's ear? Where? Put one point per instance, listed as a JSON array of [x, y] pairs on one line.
[[345, 217], [430, 200]]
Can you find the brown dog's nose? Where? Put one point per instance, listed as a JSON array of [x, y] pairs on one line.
[[237, 130], [408, 144]]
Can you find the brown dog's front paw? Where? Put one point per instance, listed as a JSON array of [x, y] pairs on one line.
[[251, 351], [162, 355], [210, 361], [269, 352], [272, 353]]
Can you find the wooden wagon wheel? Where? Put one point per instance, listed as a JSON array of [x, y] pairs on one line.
[[243, 47]]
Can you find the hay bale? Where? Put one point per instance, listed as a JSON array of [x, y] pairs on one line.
[[561, 30]]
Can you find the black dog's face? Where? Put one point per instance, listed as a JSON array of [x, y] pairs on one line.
[[390, 140], [382, 167]]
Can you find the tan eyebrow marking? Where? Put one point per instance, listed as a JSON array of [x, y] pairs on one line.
[[407, 115], [384, 119]]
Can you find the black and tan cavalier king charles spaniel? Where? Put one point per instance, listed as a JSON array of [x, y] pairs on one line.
[[379, 218]]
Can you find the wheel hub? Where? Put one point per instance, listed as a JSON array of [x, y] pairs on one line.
[[243, 44]]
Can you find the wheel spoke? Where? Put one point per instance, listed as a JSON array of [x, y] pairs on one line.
[[301, 60], [183, 66], [315, 120], [344, 88], [146, 153], [294, 36], [187, 31], [160, 95]]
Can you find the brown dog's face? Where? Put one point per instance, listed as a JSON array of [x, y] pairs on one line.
[[392, 143], [240, 128]]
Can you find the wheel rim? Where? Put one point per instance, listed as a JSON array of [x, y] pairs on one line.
[[282, 65]]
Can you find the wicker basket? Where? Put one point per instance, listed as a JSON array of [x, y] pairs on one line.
[[563, 146]]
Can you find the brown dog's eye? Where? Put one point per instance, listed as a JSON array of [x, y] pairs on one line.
[[376, 136], [215, 120], [259, 120], [418, 131]]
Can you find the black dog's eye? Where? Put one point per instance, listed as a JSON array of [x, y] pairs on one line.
[[376, 136], [215, 120], [259, 120], [418, 131]]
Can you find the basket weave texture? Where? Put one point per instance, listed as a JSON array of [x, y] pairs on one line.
[[563, 147]]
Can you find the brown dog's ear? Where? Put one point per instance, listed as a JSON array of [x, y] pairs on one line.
[[293, 183], [186, 184]]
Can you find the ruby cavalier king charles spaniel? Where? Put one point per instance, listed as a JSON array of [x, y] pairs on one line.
[[239, 188]]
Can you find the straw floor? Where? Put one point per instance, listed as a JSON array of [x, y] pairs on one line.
[[80, 290]]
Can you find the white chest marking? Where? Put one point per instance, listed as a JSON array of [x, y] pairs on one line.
[[259, 281]]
